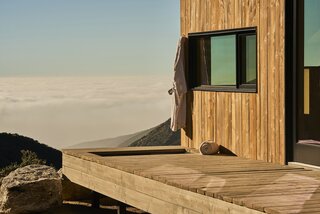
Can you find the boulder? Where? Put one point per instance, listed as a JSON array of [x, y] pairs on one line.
[[30, 189], [74, 192]]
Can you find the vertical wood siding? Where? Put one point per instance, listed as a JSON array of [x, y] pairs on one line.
[[251, 125]]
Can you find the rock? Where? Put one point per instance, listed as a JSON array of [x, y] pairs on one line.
[[30, 189], [72, 191]]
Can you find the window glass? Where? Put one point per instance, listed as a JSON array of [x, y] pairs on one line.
[[312, 33], [249, 59], [223, 60]]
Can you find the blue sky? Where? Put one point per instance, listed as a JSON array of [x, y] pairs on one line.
[[87, 37]]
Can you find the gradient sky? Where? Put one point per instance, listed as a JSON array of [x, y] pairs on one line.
[[87, 37]]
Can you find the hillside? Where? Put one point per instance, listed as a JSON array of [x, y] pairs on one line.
[[161, 135], [121, 141], [12, 144]]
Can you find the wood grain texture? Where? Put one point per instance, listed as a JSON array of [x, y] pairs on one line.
[[249, 125], [281, 118], [182, 17], [182, 183], [263, 83]]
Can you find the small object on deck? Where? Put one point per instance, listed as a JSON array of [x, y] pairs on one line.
[[209, 148]]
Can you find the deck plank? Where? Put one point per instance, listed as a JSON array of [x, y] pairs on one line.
[[255, 185], [173, 200]]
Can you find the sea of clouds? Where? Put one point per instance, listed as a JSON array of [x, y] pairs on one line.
[[62, 111]]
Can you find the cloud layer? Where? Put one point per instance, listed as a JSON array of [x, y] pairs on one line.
[[61, 111]]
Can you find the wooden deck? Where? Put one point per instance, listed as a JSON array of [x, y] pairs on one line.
[[182, 182]]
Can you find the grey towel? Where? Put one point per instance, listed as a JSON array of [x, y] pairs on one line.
[[179, 90]]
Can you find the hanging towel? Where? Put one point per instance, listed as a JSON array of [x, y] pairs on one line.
[[179, 89]]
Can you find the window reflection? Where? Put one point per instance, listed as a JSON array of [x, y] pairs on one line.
[[223, 60], [249, 61], [312, 33]]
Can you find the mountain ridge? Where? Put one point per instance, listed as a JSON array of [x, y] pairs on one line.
[[11, 146], [120, 141], [160, 135]]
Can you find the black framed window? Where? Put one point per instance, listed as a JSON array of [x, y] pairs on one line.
[[223, 60]]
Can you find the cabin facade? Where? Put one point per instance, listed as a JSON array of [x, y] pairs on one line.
[[253, 74]]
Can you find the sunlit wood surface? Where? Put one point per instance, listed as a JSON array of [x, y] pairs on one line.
[[192, 183]]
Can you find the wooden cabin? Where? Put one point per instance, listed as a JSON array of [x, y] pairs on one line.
[[254, 87], [254, 77]]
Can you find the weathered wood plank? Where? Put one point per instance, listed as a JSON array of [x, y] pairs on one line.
[[226, 119], [208, 116], [311, 207], [231, 14], [253, 127], [220, 14], [258, 97], [198, 122], [238, 13], [202, 15], [193, 16], [263, 70], [220, 117], [183, 26], [277, 82], [234, 125], [245, 125], [282, 82], [209, 12], [271, 81]]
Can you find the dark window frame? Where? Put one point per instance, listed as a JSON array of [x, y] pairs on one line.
[[193, 74]]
